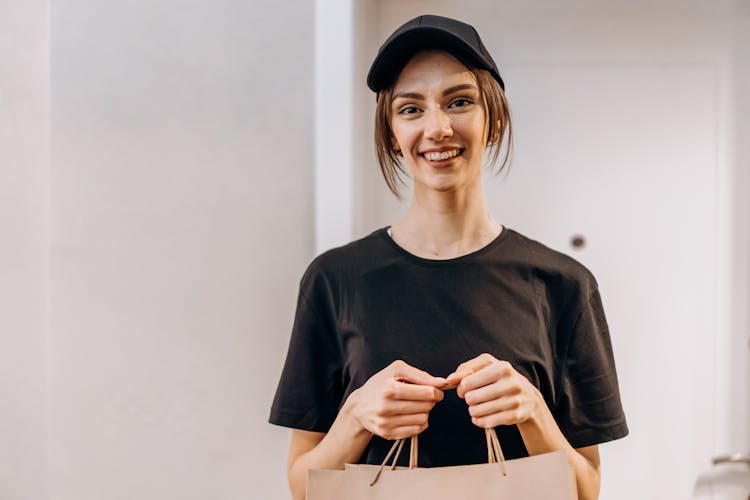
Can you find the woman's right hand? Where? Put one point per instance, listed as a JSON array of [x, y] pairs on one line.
[[395, 402]]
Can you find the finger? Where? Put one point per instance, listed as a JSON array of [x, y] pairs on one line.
[[496, 406], [412, 392], [385, 427], [385, 424], [406, 408], [468, 367], [506, 417], [460, 370], [407, 373], [486, 393], [507, 386], [487, 375], [455, 378], [491, 421], [406, 432]]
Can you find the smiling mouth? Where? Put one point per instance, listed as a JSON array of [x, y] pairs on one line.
[[442, 155]]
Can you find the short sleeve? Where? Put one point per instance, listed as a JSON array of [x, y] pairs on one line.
[[589, 410], [309, 393]]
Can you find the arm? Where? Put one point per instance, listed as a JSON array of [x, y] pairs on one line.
[[498, 395], [384, 405], [343, 443], [541, 434]]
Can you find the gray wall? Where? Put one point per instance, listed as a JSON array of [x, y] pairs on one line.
[[156, 218]]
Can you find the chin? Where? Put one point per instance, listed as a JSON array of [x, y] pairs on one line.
[[444, 186], [446, 183]]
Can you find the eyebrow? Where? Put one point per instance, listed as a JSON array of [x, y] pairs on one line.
[[448, 91]]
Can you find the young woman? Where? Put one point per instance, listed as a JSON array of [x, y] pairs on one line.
[[447, 297]]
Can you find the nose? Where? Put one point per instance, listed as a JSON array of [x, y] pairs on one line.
[[438, 125]]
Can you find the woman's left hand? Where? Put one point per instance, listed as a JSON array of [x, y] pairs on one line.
[[495, 392]]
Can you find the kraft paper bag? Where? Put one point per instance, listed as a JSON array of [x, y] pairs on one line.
[[548, 476]]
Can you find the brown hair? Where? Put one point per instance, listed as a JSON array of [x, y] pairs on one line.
[[497, 126]]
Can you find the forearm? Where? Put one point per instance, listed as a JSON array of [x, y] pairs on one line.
[[541, 434], [344, 443]]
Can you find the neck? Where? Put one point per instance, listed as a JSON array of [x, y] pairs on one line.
[[446, 225]]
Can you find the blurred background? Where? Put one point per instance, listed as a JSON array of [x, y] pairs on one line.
[[168, 169]]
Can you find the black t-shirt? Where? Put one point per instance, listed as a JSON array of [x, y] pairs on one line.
[[369, 303]]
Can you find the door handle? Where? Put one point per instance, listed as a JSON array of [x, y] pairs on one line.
[[736, 458]]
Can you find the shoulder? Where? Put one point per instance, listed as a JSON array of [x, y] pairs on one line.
[[338, 266], [556, 269]]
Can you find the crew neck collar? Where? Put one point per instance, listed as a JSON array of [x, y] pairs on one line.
[[504, 232]]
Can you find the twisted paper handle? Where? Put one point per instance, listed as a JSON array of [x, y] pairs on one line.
[[494, 453]]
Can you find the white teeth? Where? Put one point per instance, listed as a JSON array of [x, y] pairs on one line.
[[444, 155]]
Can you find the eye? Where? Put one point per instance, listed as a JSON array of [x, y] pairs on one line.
[[408, 110], [460, 102]]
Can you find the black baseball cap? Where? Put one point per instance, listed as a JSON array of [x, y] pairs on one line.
[[429, 32]]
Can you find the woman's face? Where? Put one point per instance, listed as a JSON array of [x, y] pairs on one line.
[[438, 122]]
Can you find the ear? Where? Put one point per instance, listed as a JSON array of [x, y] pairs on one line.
[[395, 146]]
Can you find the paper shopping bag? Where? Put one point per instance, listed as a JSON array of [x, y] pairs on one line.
[[548, 476]]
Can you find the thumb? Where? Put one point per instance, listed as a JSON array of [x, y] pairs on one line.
[[465, 369]]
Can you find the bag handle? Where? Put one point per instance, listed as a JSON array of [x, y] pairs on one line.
[[494, 453]]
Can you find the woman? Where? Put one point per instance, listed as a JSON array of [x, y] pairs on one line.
[[447, 297]]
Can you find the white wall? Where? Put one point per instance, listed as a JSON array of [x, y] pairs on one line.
[[148, 269], [182, 172], [24, 195], [180, 222]]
